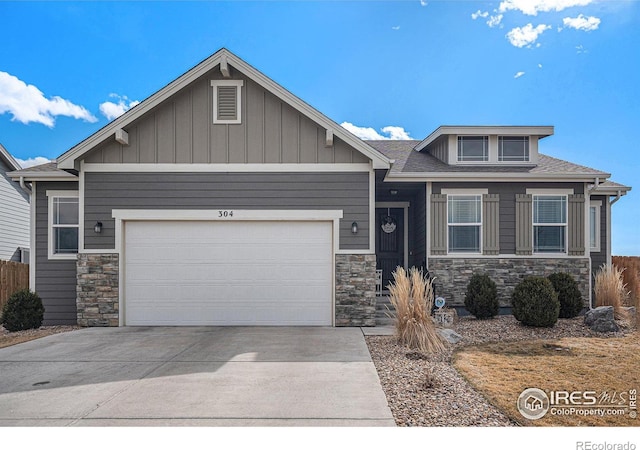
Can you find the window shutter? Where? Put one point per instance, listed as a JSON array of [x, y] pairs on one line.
[[438, 224], [227, 103], [490, 224], [576, 224], [524, 224]]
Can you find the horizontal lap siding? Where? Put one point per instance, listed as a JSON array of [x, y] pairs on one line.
[[14, 217], [348, 192], [55, 279]]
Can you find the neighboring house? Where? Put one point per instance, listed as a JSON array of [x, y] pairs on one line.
[[14, 213], [223, 199]]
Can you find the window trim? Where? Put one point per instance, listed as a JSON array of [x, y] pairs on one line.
[[238, 84], [526, 139], [466, 193], [550, 193], [597, 204], [486, 150], [51, 195]]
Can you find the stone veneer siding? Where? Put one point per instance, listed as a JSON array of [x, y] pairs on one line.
[[355, 290], [97, 290], [453, 274]]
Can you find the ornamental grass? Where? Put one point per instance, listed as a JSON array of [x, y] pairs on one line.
[[411, 294]]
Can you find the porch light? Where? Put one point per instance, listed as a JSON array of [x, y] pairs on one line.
[[393, 191], [97, 227], [354, 227]]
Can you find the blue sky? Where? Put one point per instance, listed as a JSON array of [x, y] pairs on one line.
[[69, 67]]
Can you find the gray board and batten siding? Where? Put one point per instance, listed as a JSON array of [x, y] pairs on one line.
[[181, 130], [346, 191], [507, 204], [55, 279], [14, 216]]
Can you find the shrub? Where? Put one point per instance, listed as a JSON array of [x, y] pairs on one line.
[[411, 294], [23, 311], [481, 299], [568, 294], [535, 303], [610, 289]]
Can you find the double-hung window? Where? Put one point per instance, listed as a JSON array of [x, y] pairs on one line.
[[549, 223], [64, 224], [464, 214], [513, 148], [473, 148]]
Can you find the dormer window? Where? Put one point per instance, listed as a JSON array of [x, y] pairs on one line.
[[473, 148], [513, 148]]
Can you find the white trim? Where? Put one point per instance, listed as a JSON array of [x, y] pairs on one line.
[[354, 252], [32, 238], [42, 176], [608, 232], [550, 191], [499, 177], [536, 130], [99, 250], [429, 189], [508, 256], [372, 210], [405, 227], [238, 85], [235, 168], [464, 191], [81, 208], [597, 204], [51, 195]]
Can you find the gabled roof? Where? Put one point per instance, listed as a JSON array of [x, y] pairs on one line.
[[6, 157], [471, 130], [224, 56], [43, 172], [410, 164]]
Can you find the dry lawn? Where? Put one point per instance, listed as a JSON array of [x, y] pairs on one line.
[[17, 337], [501, 371]]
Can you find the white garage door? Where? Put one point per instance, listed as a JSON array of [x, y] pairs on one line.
[[228, 273]]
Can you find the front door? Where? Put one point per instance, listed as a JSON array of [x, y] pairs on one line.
[[389, 241]]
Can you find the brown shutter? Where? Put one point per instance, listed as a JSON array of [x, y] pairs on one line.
[[438, 224], [227, 103], [576, 224], [524, 224], [490, 224]]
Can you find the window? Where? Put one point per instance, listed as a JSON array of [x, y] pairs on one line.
[[549, 223], [473, 148], [227, 101], [63, 224], [594, 225], [464, 223], [513, 148]]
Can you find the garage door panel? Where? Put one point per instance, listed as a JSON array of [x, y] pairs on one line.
[[228, 273]]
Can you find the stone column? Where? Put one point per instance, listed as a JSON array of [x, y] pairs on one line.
[[97, 289], [355, 294]]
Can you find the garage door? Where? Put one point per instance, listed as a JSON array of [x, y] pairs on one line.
[[228, 273]]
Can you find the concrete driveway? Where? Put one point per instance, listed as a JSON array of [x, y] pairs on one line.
[[193, 376]]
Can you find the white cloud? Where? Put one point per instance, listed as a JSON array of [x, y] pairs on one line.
[[112, 110], [539, 66], [527, 35], [494, 21], [30, 162], [423, 3], [26, 103], [580, 49], [582, 23], [533, 7], [395, 28], [479, 13], [369, 134], [518, 75]]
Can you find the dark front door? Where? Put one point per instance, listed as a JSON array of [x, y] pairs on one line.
[[389, 241]]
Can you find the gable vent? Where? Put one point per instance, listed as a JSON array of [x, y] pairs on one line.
[[226, 101]]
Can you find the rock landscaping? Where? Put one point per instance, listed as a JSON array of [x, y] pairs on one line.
[[426, 390]]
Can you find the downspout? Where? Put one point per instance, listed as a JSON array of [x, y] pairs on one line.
[[24, 186], [617, 197]]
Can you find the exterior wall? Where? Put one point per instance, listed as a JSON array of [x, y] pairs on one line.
[[55, 279], [181, 130], [344, 191], [600, 258], [453, 275], [355, 296], [507, 204], [14, 217], [97, 290], [440, 149]]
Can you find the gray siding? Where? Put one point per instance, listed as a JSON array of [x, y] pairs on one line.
[[342, 191], [440, 149], [181, 130], [507, 206], [14, 217], [600, 258], [55, 279]]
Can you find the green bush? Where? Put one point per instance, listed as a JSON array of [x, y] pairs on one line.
[[568, 294], [535, 302], [481, 299], [23, 311]]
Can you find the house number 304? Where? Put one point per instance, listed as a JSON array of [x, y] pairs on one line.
[[225, 213]]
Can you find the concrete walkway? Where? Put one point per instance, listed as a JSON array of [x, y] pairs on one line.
[[193, 376]]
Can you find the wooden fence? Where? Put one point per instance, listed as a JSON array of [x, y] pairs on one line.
[[13, 277]]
